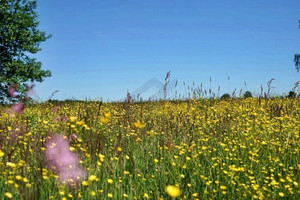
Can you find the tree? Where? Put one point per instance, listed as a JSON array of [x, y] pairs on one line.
[[292, 95], [247, 94], [225, 96], [19, 39], [297, 58]]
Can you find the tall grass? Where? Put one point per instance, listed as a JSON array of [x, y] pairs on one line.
[[210, 149]]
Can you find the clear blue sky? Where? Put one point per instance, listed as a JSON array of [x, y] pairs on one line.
[[101, 49]]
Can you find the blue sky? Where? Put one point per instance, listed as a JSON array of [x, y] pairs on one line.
[[101, 49]]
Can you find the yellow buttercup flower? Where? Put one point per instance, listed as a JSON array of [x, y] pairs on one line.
[[173, 191], [80, 123], [92, 177], [119, 149], [281, 194], [110, 181], [104, 120], [73, 119], [222, 187], [85, 183], [108, 115], [10, 164], [1, 153], [138, 124], [146, 196], [8, 195], [93, 193], [110, 195]]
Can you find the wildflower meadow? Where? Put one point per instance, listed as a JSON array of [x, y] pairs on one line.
[[194, 149]]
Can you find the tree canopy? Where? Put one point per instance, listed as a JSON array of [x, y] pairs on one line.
[[20, 38], [297, 58]]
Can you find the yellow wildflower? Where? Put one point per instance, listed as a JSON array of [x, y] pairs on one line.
[[8, 195], [110, 181], [104, 120], [109, 195], [85, 183], [222, 187], [1, 153], [173, 191], [73, 119], [92, 177], [281, 194], [138, 124]]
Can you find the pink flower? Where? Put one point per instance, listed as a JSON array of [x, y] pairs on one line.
[[57, 119], [61, 159], [73, 136], [12, 90], [71, 176], [10, 112], [30, 91], [66, 161], [64, 119], [18, 108], [55, 109], [55, 146]]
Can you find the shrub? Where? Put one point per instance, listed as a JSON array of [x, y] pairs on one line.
[[247, 94], [292, 95], [225, 96]]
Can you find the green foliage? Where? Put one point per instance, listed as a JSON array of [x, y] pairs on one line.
[[292, 95], [297, 61], [247, 94], [210, 149], [19, 39], [297, 58], [225, 96]]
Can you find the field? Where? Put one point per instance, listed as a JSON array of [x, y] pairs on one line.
[[202, 149]]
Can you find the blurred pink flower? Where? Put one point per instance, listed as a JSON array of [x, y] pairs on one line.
[[66, 161], [30, 91], [72, 176], [61, 159], [12, 90], [73, 136], [64, 119], [55, 109], [57, 119], [18, 108], [10, 112], [55, 146]]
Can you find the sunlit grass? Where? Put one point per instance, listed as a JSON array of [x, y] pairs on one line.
[[207, 149]]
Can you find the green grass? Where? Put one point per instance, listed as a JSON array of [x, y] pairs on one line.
[[210, 149]]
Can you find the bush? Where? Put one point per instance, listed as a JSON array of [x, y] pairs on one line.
[[247, 94], [292, 95], [225, 96]]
